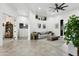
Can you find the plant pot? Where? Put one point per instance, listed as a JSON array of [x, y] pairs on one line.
[[72, 50], [78, 51]]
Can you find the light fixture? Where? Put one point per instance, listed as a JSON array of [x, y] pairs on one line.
[[39, 8], [58, 7]]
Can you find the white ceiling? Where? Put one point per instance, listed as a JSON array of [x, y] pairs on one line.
[[23, 8]]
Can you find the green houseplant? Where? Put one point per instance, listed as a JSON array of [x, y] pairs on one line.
[[71, 31]]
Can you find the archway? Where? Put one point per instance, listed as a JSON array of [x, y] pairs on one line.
[[8, 27]]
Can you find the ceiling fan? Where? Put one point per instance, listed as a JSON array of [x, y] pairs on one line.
[[59, 7]]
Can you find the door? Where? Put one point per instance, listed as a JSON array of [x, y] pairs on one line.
[[61, 28]]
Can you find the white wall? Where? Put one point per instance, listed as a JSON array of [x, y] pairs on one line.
[[52, 21], [6, 9], [34, 23]]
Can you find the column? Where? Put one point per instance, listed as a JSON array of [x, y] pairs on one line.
[[15, 31], [1, 34], [29, 32]]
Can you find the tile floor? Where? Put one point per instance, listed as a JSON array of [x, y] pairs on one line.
[[41, 47]]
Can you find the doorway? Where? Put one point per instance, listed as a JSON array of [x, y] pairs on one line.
[[8, 30], [8, 27], [61, 28]]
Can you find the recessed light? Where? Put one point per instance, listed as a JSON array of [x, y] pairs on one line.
[[39, 8]]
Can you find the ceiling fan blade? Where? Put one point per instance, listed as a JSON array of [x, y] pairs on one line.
[[61, 4], [56, 5], [63, 9], [64, 6]]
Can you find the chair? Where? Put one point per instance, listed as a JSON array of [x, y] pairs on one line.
[[52, 37]]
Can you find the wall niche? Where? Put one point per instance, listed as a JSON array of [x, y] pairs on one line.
[[23, 26]]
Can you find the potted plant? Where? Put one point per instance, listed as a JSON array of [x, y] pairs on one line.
[[71, 31]]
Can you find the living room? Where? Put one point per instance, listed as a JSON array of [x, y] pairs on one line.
[[35, 27]]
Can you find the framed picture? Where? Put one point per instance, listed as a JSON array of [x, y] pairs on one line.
[[39, 25], [43, 18], [21, 25], [44, 26], [38, 18]]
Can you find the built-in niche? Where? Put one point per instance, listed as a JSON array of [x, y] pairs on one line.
[[23, 26], [43, 18], [8, 30], [8, 26]]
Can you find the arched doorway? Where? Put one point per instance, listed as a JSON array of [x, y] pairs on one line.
[[8, 27], [8, 30]]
